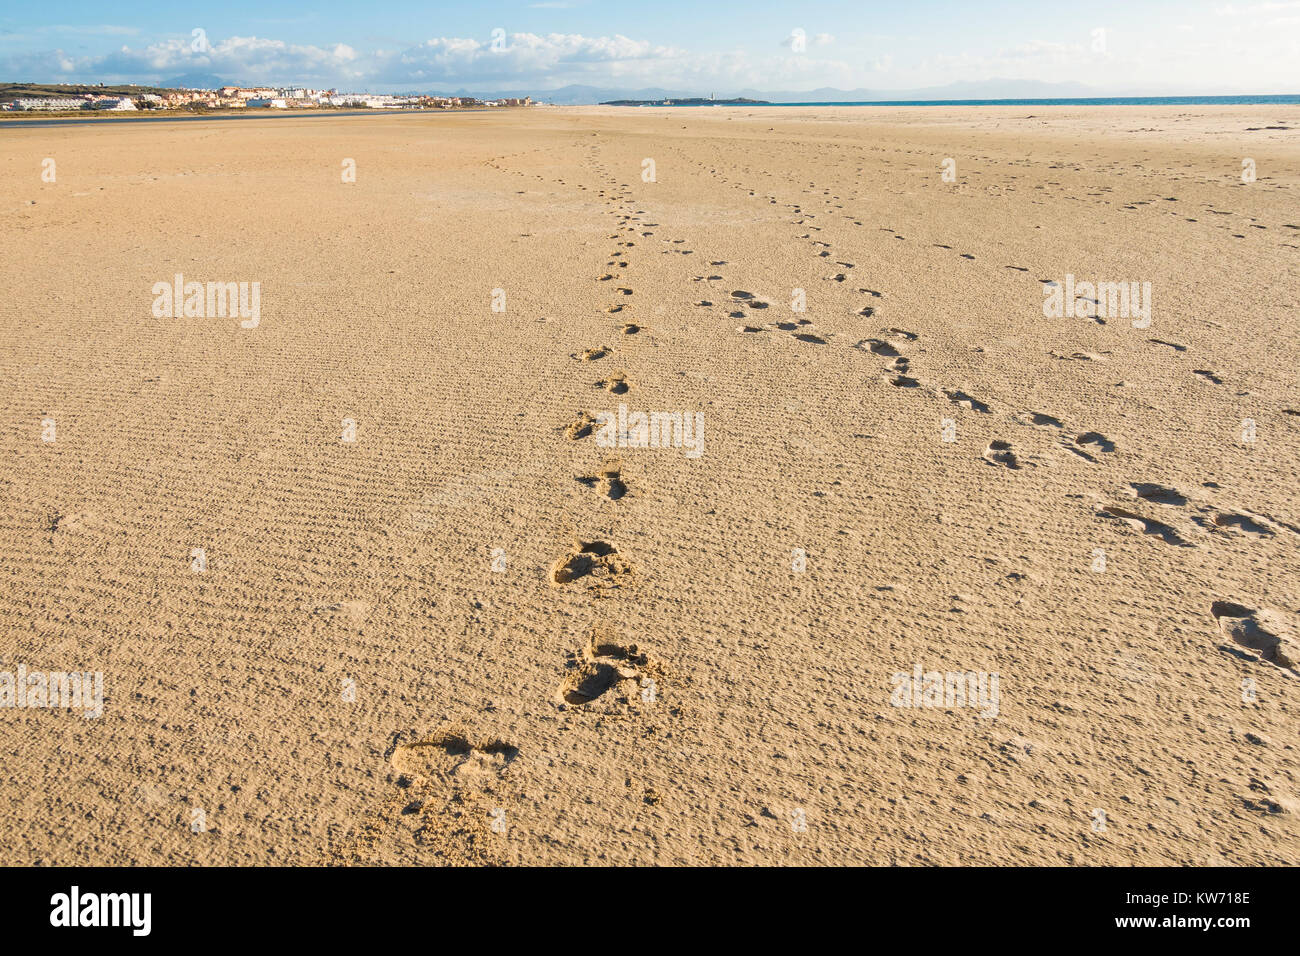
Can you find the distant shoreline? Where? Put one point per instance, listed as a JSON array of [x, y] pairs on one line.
[[80, 117], [1261, 100], [688, 101]]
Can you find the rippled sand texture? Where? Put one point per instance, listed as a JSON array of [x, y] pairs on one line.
[[472, 634]]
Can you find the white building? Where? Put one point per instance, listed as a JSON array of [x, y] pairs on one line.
[[119, 103], [274, 103], [356, 99], [49, 103]]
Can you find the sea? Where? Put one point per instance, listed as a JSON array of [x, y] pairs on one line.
[[1263, 100]]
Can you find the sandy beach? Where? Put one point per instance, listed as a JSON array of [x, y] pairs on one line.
[[588, 485]]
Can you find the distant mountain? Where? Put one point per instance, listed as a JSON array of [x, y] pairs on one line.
[[194, 81], [982, 90], [997, 89], [573, 95]]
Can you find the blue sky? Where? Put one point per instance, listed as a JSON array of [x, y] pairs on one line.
[[1149, 46]]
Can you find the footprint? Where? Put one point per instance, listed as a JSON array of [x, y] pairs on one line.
[[580, 427], [1000, 453], [1095, 438], [618, 384], [1040, 420], [903, 381], [910, 336], [809, 337], [354, 611], [880, 347], [452, 754], [1080, 357], [1146, 525], [608, 483], [597, 560], [1230, 519], [601, 669], [1242, 626], [1207, 375], [1173, 345], [958, 397], [1158, 494], [592, 355], [630, 329]]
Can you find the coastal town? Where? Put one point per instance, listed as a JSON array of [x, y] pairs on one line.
[[239, 97]]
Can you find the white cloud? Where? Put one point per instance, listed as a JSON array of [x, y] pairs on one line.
[[1255, 9], [1248, 54]]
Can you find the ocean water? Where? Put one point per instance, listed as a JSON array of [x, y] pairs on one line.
[[1289, 98], [1286, 98]]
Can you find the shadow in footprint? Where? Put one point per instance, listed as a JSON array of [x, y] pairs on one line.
[[1041, 420], [1230, 519], [580, 427], [999, 453], [1146, 525], [608, 483], [958, 397], [1158, 493], [617, 384], [1095, 438], [879, 347]]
